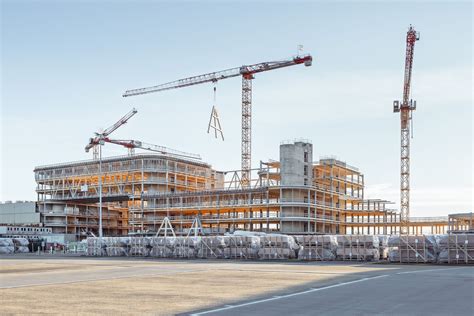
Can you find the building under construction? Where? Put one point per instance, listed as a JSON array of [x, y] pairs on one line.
[[293, 196]]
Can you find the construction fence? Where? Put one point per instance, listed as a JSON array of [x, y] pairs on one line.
[[451, 249]]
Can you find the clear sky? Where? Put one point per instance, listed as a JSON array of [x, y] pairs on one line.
[[65, 65]]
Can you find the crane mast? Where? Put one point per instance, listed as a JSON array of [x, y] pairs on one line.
[[406, 108], [247, 72]]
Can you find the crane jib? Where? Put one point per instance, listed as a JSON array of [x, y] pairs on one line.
[[246, 70]]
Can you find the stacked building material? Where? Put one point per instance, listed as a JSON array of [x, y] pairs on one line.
[[456, 248], [112, 246], [139, 246], [275, 246], [383, 246], [317, 247], [358, 247], [186, 247], [6, 246], [14, 245], [21, 245], [92, 247], [162, 247], [212, 247], [413, 249], [241, 247]]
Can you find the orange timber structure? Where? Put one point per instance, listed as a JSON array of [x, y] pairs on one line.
[[294, 196]]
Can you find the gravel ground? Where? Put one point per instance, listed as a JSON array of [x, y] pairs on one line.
[[62, 285]]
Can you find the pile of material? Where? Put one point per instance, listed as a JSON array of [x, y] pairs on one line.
[[413, 249], [358, 247], [212, 247], [94, 248], [139, 246], [6, 246], [236, 246], [317, 247], [456, 248], [383, 246], [275, 246], [242, 247], [14, 245]]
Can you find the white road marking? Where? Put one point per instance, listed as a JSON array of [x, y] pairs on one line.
[[288, 295], [430, 270]]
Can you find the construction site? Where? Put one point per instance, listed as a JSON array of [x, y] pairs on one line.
[[167, 192], [160, 230]]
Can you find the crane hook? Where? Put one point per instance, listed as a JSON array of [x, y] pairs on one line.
[[214, 121]]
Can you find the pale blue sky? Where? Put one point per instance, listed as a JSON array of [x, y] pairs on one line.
[[66, 65]]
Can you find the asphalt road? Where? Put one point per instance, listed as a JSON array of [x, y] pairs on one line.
[[410, 290]]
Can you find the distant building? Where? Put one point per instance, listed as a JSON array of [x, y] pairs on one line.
[[19, 213]]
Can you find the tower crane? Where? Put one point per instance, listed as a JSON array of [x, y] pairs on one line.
[[406, 108], [101, 136], [247, 72], [96, 143], [132, 144]]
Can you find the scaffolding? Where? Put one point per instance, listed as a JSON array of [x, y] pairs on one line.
[[140, 191]]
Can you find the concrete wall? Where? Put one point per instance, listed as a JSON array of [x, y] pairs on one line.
[[296, 164], [296, 169], [21, 213]]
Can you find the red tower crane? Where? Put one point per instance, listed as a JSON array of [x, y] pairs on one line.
[[406, 108], [247, 72], [101, 136], [96, 143]]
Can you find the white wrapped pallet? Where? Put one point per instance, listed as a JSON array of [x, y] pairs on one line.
[[93, 247], [22, 249], [138, 251], [161, 252], [412, 249], [7, 250], [6, 242], [383, 246], [317, 247], [276, 246], [456, 248], [358, 247], [211, 248], [313, 253], [116, 251], [19, 242], [275, 253], [358, 253]]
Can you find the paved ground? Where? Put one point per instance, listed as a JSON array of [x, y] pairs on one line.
[[62, 285], [428, 291]]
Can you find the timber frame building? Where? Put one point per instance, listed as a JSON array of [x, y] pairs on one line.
[[294, 196]]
